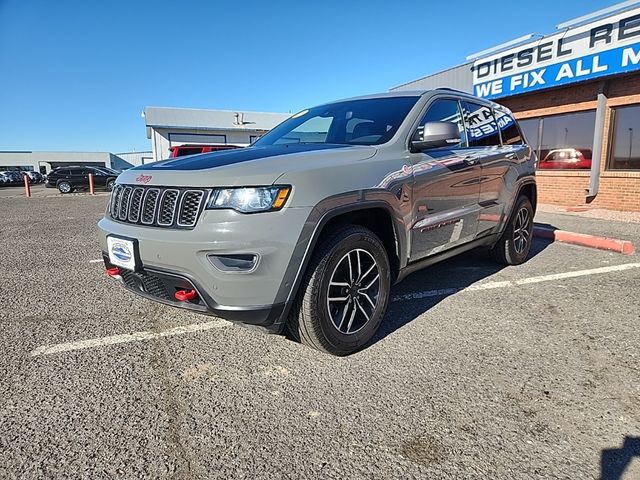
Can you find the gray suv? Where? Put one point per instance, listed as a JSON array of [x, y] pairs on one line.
[[307, 229]]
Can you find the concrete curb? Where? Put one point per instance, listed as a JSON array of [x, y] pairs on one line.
[[602, 243]]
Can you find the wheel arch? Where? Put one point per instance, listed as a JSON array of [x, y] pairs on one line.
[[364, 213], [376, 218], [529, 190]]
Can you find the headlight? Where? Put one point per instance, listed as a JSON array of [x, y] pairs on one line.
[[250, 199]]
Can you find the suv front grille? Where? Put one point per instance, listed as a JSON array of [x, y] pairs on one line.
[[157, 206]]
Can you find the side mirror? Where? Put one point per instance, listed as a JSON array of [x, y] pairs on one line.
[[435, 135]]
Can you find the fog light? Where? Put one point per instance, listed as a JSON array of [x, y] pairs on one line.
[[238, 263]]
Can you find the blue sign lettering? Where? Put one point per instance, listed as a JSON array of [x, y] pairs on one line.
[[608, 62]]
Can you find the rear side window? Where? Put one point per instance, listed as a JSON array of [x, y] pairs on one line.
[[61, 172], [508, 129], [446, 110], [482, 129]]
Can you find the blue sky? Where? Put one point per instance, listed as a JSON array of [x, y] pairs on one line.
[[75, 74]]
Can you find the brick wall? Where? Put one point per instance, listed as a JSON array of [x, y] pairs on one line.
[[619, 190]]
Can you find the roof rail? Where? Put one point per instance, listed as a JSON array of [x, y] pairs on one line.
[[449, 89]]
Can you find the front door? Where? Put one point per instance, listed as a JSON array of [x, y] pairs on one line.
[[80, 177], [446, 188], [99, 177]]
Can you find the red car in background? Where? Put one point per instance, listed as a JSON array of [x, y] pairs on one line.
[[567, 159], [183, 150]]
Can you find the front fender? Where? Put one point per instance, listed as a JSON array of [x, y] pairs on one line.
[[325, 211]]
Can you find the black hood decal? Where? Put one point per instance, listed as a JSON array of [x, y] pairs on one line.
[[229, 157]]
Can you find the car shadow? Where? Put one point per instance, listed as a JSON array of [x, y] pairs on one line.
[[546, 226], [424, 289], [614, 461]]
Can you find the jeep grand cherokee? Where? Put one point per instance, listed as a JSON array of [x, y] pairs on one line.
[[307, 229]]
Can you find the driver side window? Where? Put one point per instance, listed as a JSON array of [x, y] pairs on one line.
[[446, 110]]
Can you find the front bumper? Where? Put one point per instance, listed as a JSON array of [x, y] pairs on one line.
[[172, 259], [161, 286]]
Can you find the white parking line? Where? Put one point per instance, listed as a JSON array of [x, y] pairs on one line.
[[199, 327], [97, 260], [126, 338], [515, 283]]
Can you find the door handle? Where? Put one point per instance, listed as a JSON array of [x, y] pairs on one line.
[[512, 156], [470, 160]]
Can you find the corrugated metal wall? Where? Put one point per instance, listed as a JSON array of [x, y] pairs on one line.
[[459, 77], [134, 158]]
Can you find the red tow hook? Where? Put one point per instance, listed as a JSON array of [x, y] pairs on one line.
[[186, 295], [113, 272]]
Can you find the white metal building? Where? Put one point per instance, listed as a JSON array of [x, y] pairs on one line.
[[168, 127], [136, 158]]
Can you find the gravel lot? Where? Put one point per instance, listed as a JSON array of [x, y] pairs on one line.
[[529, 379]]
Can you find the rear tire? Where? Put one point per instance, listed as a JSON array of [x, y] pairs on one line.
[[344, 294], [65, 187], [515, 243], [110, 183]]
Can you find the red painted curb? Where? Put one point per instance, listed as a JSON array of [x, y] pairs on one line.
[[602, 243]]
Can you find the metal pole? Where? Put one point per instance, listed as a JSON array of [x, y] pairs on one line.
[[91, 184], [598, 139], [27, 187]]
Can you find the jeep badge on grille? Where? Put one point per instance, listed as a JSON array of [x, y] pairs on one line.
[[144, 178]]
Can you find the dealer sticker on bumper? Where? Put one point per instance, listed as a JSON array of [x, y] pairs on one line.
[[122, 252]]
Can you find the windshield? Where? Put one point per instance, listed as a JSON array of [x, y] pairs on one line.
[[370, 121]]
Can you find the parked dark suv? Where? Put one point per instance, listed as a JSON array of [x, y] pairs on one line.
[[68, 179], [307, 229]]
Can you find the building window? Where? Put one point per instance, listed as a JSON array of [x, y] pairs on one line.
[[567, 141], [624, 153], [531, 129]]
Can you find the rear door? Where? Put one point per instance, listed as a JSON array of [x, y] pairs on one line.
[[495, 160], [446, 188]]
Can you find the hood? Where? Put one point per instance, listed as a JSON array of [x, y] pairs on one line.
[[243, 166]]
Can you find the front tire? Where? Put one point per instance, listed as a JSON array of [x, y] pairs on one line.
[[110, 183], [515, 243], [344, 294], [65, 187]]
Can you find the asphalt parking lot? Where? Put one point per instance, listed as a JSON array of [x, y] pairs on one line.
[[39, 190], [478, 372]]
